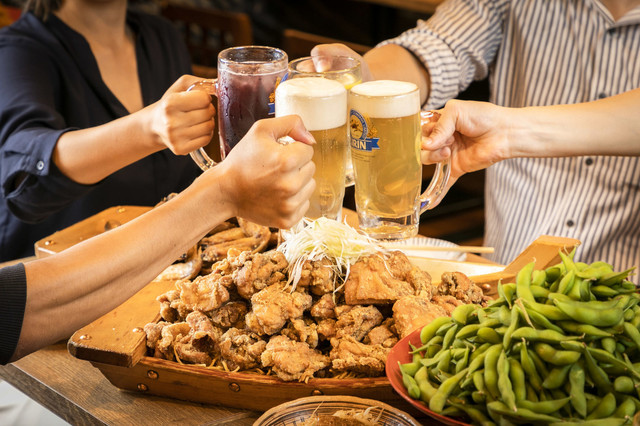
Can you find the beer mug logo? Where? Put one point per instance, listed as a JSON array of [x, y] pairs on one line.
[[362, 133], [272, 97]]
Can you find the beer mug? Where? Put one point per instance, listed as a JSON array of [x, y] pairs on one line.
[[322, 105], [386, 135], [343, 69], [245, 87]]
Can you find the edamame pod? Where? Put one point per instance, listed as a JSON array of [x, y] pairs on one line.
[[605, 407], [429, 330], [544, 407], [576, 391], [556, 357], [444, 390]]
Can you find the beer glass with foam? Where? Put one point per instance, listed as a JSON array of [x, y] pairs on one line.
[[345, 69], [322, 105], [386, 133], [245, 87]]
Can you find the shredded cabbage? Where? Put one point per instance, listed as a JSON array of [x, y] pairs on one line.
[[325, 238]]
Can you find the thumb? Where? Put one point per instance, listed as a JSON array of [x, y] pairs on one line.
[[292, 126]]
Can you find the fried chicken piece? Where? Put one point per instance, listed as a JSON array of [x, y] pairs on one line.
[[448, 303], [358, 322], [258, 271], [326, 329], [167, 312], [412, 312], [204, 335], [382, 335], [153, 331], [241, 349], [302, 330], [462, 288], [231, 314], [172, 333], [247, 236], [186, 268], [318, 275], [186, 351], [292, 360], [274, 306], [324, 307], [350, 355], [376, 280], [205, 293]]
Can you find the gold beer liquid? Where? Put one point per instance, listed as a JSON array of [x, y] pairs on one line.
[[329, 156], [389, 176], [322, 105]]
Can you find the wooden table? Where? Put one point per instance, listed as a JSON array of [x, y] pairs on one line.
[[77, 392]]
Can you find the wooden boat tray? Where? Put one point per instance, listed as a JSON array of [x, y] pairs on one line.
[[116, 345]]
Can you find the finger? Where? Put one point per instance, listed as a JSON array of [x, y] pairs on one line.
[[184, 82], [192, 100], [431, 157], [288, 125]]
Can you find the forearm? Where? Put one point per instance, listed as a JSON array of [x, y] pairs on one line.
[[394, 62], [74, 287], [608, 126], [89, 155]]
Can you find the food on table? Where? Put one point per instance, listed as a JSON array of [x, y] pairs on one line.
[[302, 316], [239, 234], [559, 345]]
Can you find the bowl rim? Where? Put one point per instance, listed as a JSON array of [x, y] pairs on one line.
[[410, 421]]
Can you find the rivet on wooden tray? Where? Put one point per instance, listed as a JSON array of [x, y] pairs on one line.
[[486, 287], [137, 330], [142, 387], [85, 337], [121, 210], [152, 374], [49, 242], [316, 392], [234, 387]]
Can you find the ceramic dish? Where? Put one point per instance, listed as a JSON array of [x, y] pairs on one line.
[[301, 410], [400, 352], [430, 242]]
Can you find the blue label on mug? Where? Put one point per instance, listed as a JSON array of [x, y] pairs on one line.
[[361, 139]]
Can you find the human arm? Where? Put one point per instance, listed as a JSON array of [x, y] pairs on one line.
[[260, 180], [181, 121], [479, 134], [441, 55]]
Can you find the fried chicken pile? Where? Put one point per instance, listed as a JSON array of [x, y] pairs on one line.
[[243, 314]]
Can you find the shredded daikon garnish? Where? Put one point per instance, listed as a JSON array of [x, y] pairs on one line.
[[325, 238]]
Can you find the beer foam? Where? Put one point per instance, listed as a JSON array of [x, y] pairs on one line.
[[385, 98], [320, 102]]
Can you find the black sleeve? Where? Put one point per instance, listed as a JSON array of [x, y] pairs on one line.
[[13, 297]]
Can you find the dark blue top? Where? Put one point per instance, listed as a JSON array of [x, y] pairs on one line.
[[50, 83]]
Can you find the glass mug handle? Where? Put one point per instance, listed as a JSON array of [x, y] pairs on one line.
[[200, 156], [436, 189]]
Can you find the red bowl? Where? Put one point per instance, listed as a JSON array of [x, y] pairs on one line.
[[400, 352]]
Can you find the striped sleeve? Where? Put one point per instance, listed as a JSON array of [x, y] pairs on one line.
[[456, 44]]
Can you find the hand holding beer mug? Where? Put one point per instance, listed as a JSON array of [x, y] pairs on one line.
[[322, 105], [385, 147], [344, 69], [245, 87]]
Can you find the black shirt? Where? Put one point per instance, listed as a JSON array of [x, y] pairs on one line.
[[49, 84], [13, 297]]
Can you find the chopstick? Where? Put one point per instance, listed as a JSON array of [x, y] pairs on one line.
[[461, 249]]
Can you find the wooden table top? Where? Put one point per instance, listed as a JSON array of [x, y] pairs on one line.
[[80, 394]]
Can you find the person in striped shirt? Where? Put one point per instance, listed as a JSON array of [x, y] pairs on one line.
[[535, 53]]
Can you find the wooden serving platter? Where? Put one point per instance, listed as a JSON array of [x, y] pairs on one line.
[[116, 342]]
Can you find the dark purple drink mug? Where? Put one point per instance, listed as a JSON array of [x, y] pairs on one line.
[[245, 88]]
